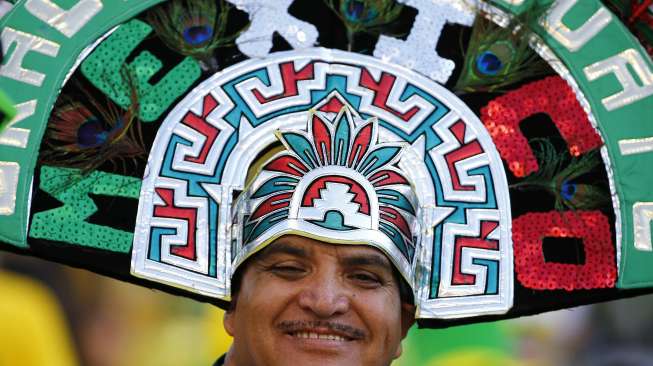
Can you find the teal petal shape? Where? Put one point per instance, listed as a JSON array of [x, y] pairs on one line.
[[395, 199], [276, 184], [254, 229], [396, 238], [247, 230], [378, 158], [341, 141], [302, 147]]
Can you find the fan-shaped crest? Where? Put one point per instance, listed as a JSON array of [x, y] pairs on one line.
[[340, 178]]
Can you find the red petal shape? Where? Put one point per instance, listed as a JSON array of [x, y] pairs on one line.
[[387, 177], [271, 204], [322, 138], [398, 220], [287, 164], [361, 142]]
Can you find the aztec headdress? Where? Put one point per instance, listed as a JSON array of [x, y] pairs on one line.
[[164, 142], [335, 183]]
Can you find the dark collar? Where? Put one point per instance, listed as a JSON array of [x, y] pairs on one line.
[[220, 361]]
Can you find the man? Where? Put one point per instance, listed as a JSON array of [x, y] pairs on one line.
[[319, 283], [306, 302]]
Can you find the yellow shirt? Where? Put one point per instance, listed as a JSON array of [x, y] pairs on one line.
[[33, 331]]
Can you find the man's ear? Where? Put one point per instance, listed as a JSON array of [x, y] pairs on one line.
[[228, 321], [407, 318], [407, 321]]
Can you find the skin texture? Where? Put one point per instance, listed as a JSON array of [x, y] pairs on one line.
[[299, 287]]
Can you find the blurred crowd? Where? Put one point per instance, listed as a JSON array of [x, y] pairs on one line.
[[56, 315]]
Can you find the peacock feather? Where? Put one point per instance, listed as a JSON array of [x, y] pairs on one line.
[[193, 28], [499, 56], [364, 15], [561, 177], [90, 134]]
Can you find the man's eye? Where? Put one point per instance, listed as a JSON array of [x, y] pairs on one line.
[[366, 278], [287, 269]]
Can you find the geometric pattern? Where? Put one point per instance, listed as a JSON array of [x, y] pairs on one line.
[[190, 220]]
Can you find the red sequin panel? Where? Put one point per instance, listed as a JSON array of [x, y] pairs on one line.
[[529, 231], [552, 96]]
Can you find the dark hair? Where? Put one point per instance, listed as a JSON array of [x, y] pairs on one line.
[[236, 280], [405, 292]]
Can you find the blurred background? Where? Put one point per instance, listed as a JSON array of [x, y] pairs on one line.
[[56, 315]]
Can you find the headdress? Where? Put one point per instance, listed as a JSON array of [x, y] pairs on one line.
[[335, 183]]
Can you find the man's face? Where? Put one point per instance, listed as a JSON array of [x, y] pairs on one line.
[[305, 302]]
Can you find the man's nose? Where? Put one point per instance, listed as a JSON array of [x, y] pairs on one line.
[[324, 296]]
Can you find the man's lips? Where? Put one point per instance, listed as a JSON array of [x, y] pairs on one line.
[[322, 330]]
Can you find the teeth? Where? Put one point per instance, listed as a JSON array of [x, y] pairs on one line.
[[312, 335]]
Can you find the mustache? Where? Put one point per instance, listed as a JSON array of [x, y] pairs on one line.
[[292, 326]]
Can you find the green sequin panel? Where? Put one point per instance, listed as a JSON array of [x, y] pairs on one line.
[[105, 66], [67, 223]]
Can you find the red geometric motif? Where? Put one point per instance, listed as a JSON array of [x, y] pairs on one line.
[[465, 151], [199, 124], [290, 77], [481, 242], [552, 96], [593, 227], [333, 105], [360, 197], [382, 91], [168, 210]]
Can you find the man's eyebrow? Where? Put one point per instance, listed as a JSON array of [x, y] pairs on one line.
[[283, 248], [375, 260]]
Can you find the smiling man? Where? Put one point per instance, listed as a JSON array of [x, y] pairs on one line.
[[312, 303], [324, 250]]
